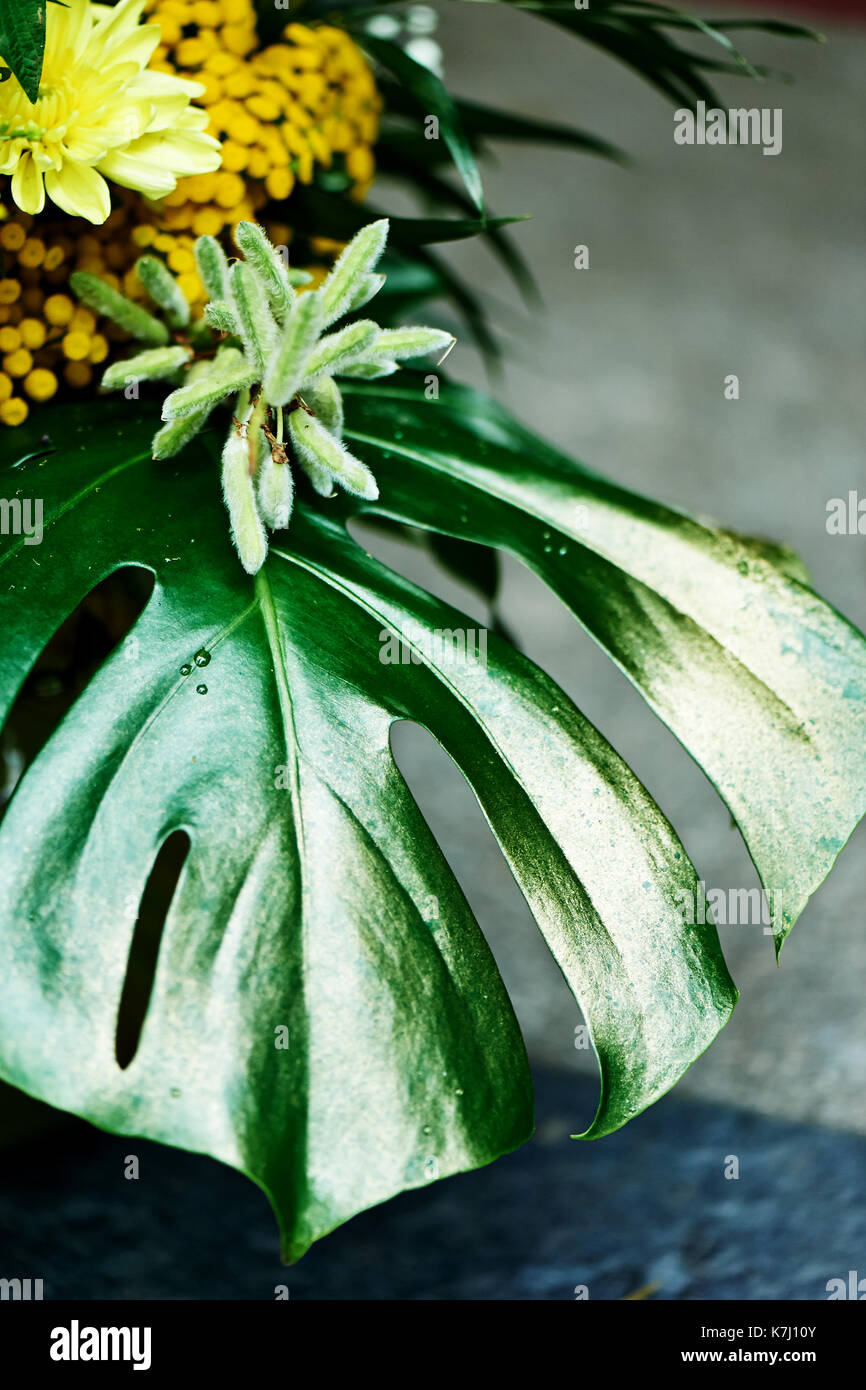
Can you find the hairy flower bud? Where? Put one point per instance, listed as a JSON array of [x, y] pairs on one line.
[[268, 265], [221, 316], [163, 290], [326, 403], [337, 351], [288, 366], [276, 491], [155, 365], [222, 381], [318, 448], [255, 320], [213, 267], [352, 268], [108, 302], [248, 532]]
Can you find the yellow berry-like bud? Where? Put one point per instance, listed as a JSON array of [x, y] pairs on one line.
[[98, 348], [236, 11], [82, 321], [239, 38], [12, 236], [54, 258], [191, 287], [78, 374], [32, 333], [360, 164], [208, 222], [5, 386], [240, 83], [18, 363], [180, 260], [10, 339], [41, 384], [259, 164], [14, 411], [32, 253], [230, 190], [234, 157], [220, 64], [191, 52], [76, 346], [59, 309], [207, 13], [9, 291], [280, 183]]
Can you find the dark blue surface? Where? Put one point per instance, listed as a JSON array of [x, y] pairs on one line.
[[649, 1205]]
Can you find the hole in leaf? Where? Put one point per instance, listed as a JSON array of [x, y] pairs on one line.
[[70, 660], [153, 910]]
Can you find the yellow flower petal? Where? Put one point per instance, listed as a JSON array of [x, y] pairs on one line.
[[80, 191], [27, 187]]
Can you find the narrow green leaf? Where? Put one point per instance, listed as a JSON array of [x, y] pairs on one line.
[[431, 98]]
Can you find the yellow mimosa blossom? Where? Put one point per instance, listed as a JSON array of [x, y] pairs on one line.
[[100, 114]]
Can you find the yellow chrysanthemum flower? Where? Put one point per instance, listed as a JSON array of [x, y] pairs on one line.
[[101, 114]]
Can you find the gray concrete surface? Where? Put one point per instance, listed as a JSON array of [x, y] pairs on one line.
[[647, 1211], [703, 262]]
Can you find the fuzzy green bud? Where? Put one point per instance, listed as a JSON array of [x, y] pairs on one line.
[[355, 263], [222, 381], [104, 300], [248, 532], [268, 265], [339, 350], [155, 365], [288, 365], [175, 435], [163, 290], [221, 316], [319, 450], [370, 371], [213, 267], [276, 491], [368, 286], [255, 320], [398, 343], [326, 403]]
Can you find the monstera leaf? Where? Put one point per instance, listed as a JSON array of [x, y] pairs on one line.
[[325, 1014]]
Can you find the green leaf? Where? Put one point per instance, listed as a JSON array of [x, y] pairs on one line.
[[762, 681], [323, 214], [483, 122], [392, 159], [313, 898], [22, 41], [431, 98]]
